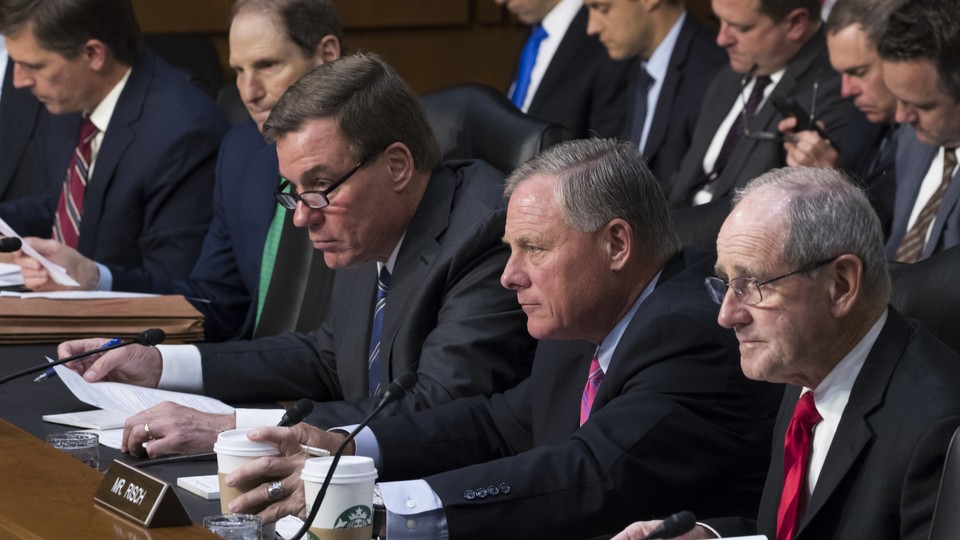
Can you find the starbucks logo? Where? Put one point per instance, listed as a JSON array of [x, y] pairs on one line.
[[355, 517]]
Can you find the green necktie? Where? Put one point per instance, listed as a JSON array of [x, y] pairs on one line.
[[269, 258]]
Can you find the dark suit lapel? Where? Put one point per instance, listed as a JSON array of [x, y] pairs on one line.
[[117, 138], [947, 206], [417, 253], [913, 162], [355, 323], [854, 433], [667, 99], [717, 107], [571, 43]]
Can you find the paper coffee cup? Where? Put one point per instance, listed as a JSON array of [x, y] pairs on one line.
[[347, 509], [235, 450]]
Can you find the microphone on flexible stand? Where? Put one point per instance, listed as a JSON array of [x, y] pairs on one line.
[[9, 244], [397, 389], [293, 415], [149, 338], [675, 525]]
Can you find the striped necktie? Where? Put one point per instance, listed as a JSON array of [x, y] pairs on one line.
[[66, 222], [911, 247], [373, 360], [590, 389]]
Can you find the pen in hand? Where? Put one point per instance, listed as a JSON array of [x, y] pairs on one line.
[[51, 373]]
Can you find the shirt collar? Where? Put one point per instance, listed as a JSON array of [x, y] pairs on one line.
[[560, 17], [609, 343], [104, 111], [659, 61], [4, 58], [833, 392], [392, 260]]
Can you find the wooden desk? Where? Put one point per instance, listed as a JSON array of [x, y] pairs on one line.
[[48, 494]]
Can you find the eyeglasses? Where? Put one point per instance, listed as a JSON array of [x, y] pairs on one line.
[[775, 135], [747, 289], [316, 199]]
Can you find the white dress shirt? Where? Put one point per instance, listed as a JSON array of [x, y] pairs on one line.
[[656, 67], [4, 58], [555, 24], [928, 187]]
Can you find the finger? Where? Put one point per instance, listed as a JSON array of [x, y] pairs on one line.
[[787, 124], [103, 365], [70, 348], [285, 438]]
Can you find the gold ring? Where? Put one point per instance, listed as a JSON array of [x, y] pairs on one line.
[[146, 429]]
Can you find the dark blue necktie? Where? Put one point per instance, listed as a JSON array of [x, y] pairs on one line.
[[642, 85], [373, 360], [528, 59]]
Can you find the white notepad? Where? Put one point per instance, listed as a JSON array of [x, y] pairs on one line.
[[207, 486], [98, 419]]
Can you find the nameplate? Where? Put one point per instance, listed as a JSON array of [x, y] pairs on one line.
[[142, 498]]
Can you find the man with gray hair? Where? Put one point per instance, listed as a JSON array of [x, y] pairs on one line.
[[871, 405], [636, 402]]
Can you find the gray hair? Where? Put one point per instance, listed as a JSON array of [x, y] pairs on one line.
[[827, 215], [372, 106], [600, 180]]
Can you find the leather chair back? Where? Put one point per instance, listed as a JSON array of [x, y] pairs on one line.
[[929, 291], [192, 53], [475, 121]]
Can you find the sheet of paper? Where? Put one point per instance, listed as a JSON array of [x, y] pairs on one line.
[[129, 399], [77, 295], [110, 438], [57, 272], [10, 275], [287, 527]]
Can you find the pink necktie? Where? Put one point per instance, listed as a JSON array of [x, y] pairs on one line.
[[796, 455], [590, 390]]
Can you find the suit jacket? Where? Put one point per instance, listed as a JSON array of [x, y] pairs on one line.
[[675, 424], [582, 89], [22, 132], [869, 152], [693, 64], [148, 202], [447, 317], [227, 272], [881, 473], [751, 158], [913, 162]]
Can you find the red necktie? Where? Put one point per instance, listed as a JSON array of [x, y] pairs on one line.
[[66, 225], [590, 390], [796, 455]]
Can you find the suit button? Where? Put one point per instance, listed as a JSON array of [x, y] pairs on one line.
[[493, 491], [469, 495], [481, 493], [504, 488]]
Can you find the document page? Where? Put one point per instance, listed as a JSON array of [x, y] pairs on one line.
[[57, 272]]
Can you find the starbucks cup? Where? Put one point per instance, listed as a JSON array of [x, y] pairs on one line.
[[235, 450], [347, 509]]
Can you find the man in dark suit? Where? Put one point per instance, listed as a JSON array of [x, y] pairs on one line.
[[869, 148], [919, 50], [132, 193], [22, 164], [660, 414], [871, 405], [677, 59], [572, 81], [777, 50], [272, 44], [371, 191]]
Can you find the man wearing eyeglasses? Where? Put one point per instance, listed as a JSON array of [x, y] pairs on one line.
[[776, 50], [920, 50], [416, 244], [871, 402]]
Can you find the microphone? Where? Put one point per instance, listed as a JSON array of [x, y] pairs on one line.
[[149, 338], [675, 525], [296, 413], [10, 244], [397, 389]]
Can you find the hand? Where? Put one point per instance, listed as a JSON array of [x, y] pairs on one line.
[[286, 468], [133, 364], [36, 277], [807, 148], [636, 531], [174, 429]]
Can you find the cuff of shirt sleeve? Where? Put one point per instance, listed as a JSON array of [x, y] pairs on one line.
[[182, 370], [711, 529], [105, 283], [251, 418], [365, 442], [413, 510]]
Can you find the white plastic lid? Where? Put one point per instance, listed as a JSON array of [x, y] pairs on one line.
[[236, 443], [351, 469]]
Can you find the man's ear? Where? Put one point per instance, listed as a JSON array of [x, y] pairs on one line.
[[797, 21], [400, 164], [846, 282], [617, 243], [95, 54], [327, 50]]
